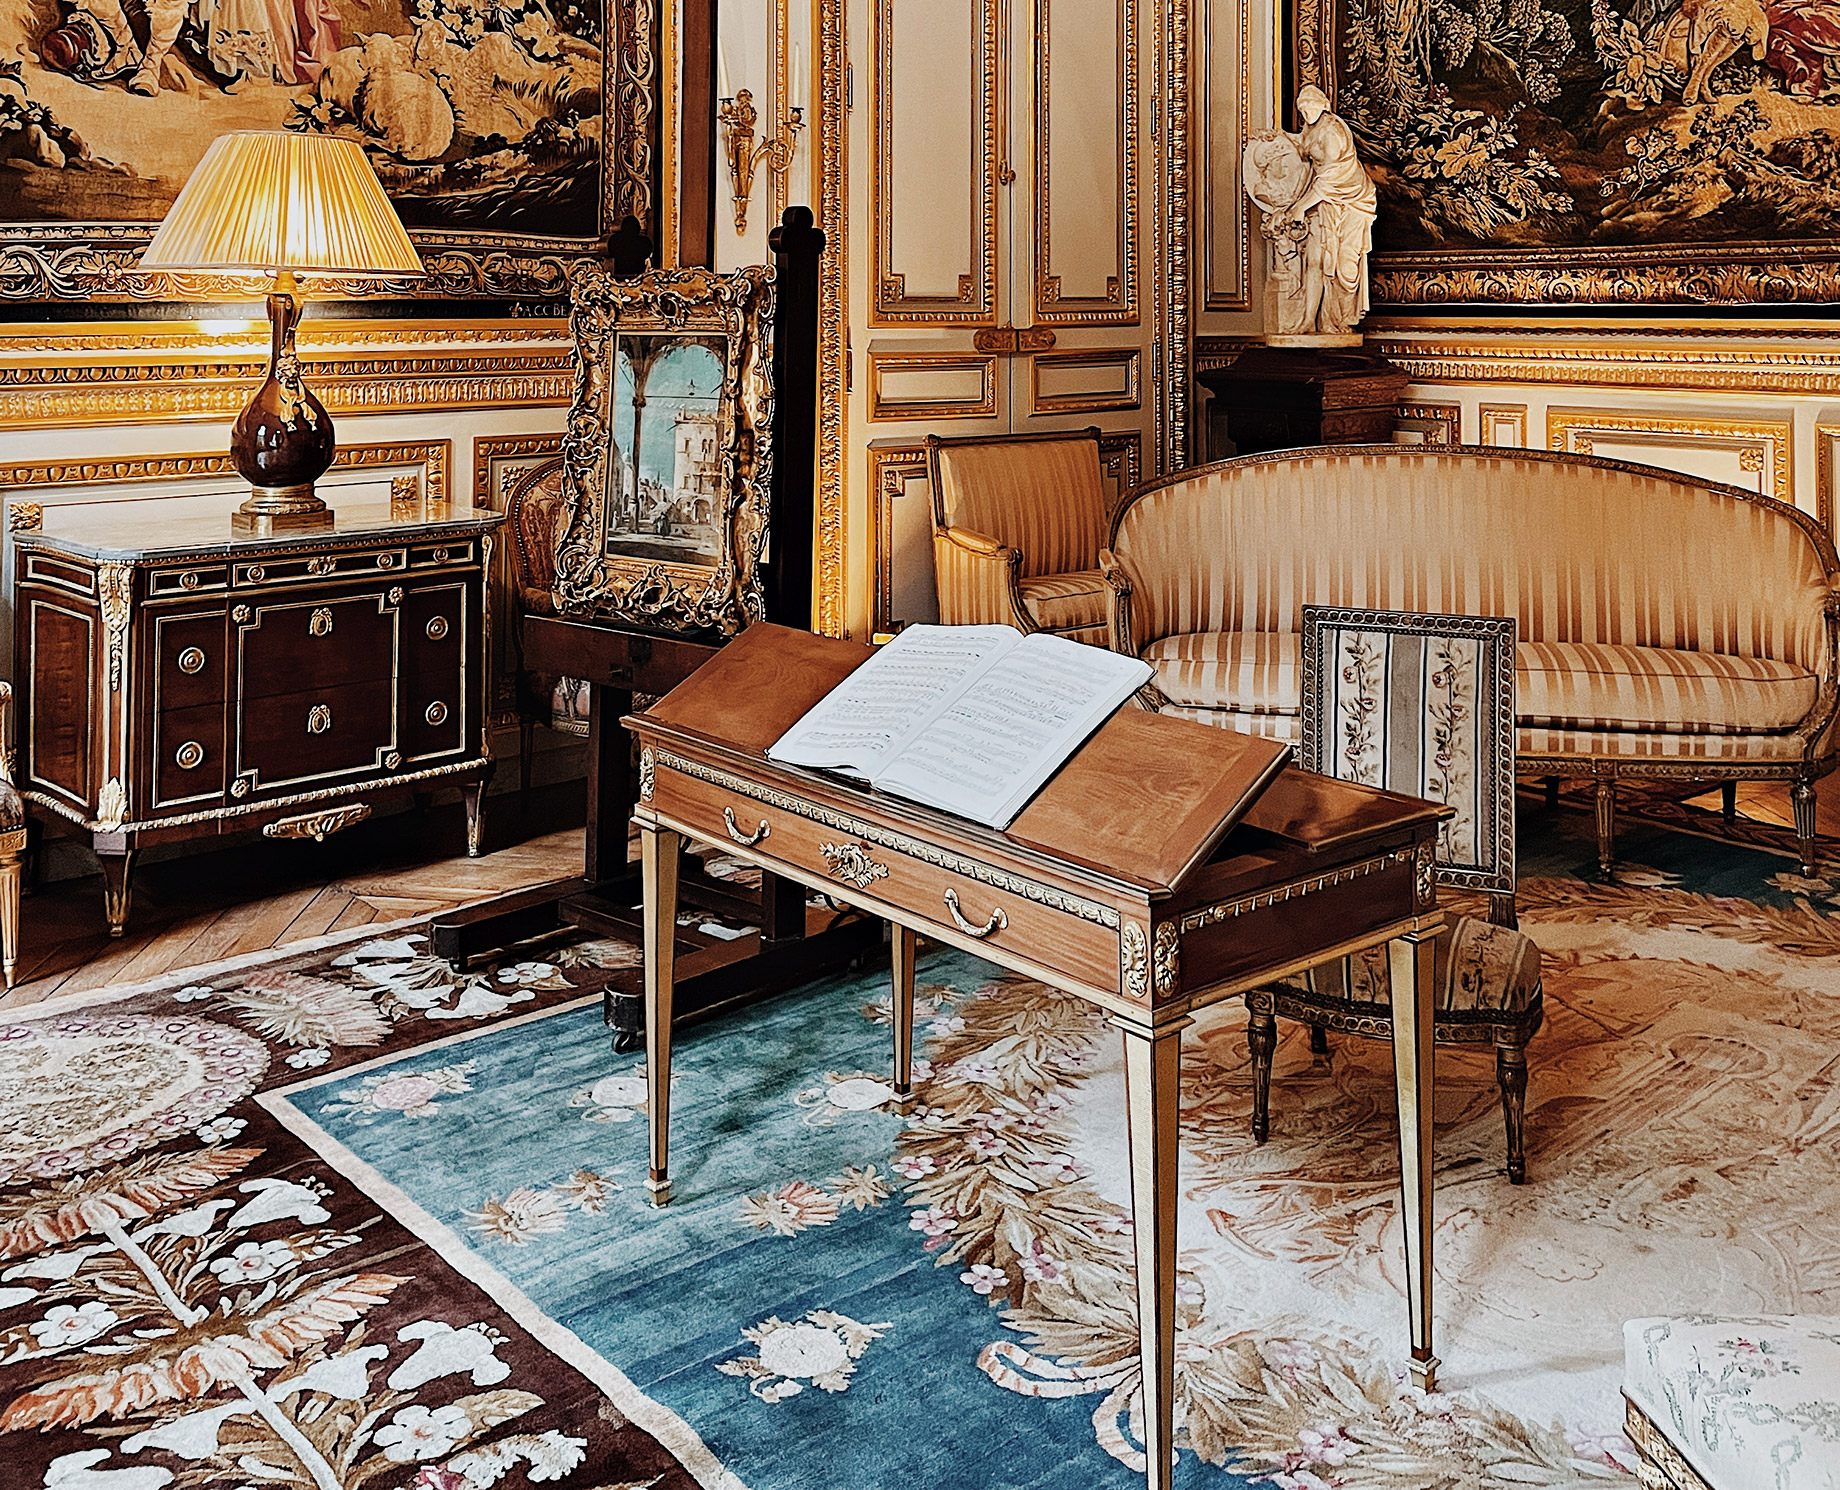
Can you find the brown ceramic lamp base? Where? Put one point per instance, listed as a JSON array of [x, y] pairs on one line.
[[282, 442]]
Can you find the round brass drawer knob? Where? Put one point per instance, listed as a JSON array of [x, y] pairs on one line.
[[189, 580], [257, 574], [189, 756], [319, 719], [191, 660], [436, 713], [386, 561], [437, 628]]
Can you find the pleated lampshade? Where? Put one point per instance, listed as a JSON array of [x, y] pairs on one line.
[[273, 201]]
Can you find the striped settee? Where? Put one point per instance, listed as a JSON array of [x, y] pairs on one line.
[[1667, 627]]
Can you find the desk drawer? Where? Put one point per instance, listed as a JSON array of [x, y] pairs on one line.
[[1024, 917]]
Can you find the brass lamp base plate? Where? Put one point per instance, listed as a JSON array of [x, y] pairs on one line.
[[280, 509]]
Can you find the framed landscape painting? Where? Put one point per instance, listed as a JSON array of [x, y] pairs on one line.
[[512, 135], [1591, 153]]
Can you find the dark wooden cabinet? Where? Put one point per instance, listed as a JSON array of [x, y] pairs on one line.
[[177, 682]]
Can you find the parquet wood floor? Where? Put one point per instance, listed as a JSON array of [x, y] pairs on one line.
[[206, 907]]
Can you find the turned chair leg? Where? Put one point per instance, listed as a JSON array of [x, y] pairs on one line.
[[1606, 824], [11, 875], [1802, 795], [1511, 1076], [1502, 911], [1728, 800], [527, 741], [1319, 1040], [1262, 1038]]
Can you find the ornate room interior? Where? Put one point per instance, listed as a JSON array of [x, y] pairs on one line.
[[439, 436]]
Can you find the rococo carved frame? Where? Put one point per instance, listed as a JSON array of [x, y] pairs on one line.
[[660, 594], [49, 262]]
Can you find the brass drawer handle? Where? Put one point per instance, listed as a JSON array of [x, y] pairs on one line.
[[320, 623], [746, 840], [850, 862], [189, 756], [320, 566], [191, 660], [436, 628], [436, 713], [317, 825], [996, 922], [319, 719]]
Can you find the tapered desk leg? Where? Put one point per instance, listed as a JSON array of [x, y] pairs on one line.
[[658, 850], [1413, 966], [906, 945], [1152, 1074]]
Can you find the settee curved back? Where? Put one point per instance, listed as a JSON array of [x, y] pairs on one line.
[[1575, 548]]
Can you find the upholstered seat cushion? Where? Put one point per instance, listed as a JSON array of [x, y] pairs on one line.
[[1587, 686], [1066, 602], [1561, 688], [12, 809], [1750, 1402], [1484, 971], [1248, 672]]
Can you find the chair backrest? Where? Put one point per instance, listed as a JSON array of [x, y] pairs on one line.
[[1576, 548], [1043, 494], [534, 513], [1422, 705]]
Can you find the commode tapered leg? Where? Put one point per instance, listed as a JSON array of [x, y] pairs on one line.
[[658, 851]]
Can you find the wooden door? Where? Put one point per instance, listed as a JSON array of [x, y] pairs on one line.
[[999, 220]]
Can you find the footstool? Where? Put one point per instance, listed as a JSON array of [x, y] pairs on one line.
[[1739, 1402]]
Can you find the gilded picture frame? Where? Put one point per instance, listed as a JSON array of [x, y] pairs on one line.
[[1551, 155], [513, 139], [676, 553]]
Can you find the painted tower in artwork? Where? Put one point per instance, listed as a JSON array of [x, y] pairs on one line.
[[696, 487]]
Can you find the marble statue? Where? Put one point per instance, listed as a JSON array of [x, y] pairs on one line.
[[1317, 207]]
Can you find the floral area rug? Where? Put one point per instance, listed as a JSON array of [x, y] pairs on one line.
[[192, 1296], [840, 1295]]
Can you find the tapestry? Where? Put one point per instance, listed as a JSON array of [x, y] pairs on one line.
[[488, 121], [1620, 151]]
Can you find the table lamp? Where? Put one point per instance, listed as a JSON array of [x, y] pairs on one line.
[[282, 203]]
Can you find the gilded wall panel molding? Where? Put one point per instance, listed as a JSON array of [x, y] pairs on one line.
[[1502, 424], [1763, 446], [831, 579], [1626, 363], [1124, 364], [1429, 423], [1171, 350], [884, 406], [975, 301], [1118, 306], [1238, 296], [134, 372], [1824, 466], [431, 457]]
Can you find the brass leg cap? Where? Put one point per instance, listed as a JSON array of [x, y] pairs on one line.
[[1424, 1373], [659, 1190]]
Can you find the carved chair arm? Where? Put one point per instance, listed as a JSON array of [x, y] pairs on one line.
[[979, 580], [7, 758]]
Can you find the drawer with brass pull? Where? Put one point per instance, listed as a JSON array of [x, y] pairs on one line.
[[923, 887]]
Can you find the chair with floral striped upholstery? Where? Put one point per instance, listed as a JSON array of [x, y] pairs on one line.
[[1018, 522], [1422, 705]]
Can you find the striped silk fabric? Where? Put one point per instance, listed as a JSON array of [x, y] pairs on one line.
[[1045, 498], [1652, 610]]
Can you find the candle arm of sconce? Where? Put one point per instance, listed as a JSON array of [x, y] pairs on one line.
[[746, 155]]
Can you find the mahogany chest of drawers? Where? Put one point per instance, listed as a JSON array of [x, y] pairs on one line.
[[176, 681]]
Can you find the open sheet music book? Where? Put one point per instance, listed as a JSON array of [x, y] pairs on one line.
[[969, 719]]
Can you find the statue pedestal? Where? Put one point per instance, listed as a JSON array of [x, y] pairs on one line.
[[1277, 397]]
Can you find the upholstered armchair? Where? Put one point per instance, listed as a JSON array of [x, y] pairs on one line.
[[12, 839], [1018, 522]]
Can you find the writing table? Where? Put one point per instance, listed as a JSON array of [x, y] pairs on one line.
[[1116, 883]]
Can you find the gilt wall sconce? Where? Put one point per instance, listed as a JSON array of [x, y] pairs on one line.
[[745, 153]]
